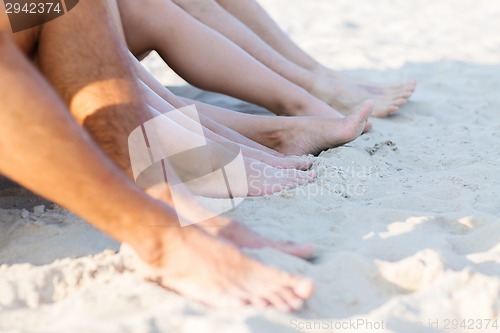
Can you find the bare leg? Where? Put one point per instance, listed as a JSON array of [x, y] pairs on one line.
[[340, 91], [251, 14], [163, 100], [176, 102], [74, 170], [216, 17], [250, 154], [318, 133], [78, 176], [183, 42], [112, 111], [260, 178], [293, 135], [344, 95], [176, 258], [112, 93]]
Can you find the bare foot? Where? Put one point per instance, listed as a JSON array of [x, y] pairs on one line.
[[280, 162], [264, 179], [243, 237], [226, 228], [347, 94], [204, 178], [317, 108], [311, 135], [212, 170], [211, 271]]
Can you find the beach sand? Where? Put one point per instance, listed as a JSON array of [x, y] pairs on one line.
[[406, 218]]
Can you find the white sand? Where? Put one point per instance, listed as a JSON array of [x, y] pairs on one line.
[[408, 234]]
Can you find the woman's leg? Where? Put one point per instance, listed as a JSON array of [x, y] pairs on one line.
[[293, 64], [50, 154], [210, 61], [281, 133], [260, 178], [249, 153], [164, 100], [189, 261], [292, 135], [346, 90]]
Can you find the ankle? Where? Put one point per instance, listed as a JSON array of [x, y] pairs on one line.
[[277, 136], [298, 104], [154, 243]]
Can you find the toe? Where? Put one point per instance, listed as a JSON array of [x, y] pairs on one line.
[[282, 296], [294, 302], [294, 291], [404, 94], [275, 300], [290, 185], [406, 87], [367, 108], [411, 86], [392, 109], [304, 288], [304, 163], [302, 175], [258, 302], [384, 112], [308, 162], [399, 102], [297, 162], [301, 181], [233, 300]]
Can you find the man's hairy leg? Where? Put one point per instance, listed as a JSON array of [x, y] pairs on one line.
[[99, 99], [83, 57], [39, 137], [107, 97], [44, 149]]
